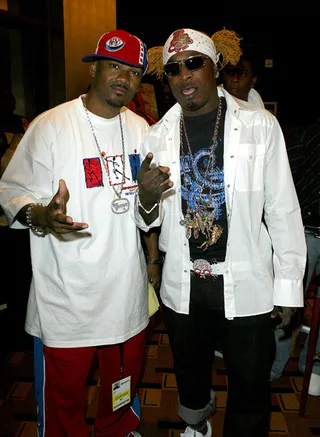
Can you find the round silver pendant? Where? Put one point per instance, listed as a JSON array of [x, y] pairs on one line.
[[120, 206]]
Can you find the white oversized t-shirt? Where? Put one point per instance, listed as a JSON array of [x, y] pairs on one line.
[[89, 287]]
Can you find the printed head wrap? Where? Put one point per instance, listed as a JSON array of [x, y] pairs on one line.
[[189, 39]]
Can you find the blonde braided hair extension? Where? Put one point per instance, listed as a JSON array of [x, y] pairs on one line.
[[227, 43], [155, 62]]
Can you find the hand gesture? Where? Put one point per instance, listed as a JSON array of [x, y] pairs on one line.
[[152, 181], [54, 216]]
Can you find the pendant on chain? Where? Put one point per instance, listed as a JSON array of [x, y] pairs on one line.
[[215, 234], [189, 222], [196, 222], [120, 205]]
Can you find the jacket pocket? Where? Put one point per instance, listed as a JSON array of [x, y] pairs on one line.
[[251, 167]]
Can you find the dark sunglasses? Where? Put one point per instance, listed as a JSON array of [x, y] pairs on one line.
[[193, 63]]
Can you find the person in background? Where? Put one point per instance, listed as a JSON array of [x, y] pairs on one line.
[[13, 299], [239, 80], [304, 154], [137, 105], [211, 167], [303, 145], [12, 127], [72, 181]]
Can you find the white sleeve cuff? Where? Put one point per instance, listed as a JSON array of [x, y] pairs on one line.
[[288, 292]]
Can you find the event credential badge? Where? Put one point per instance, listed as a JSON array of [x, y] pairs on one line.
[[121, 393]]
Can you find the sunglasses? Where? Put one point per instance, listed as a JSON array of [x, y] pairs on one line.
[[192, 64]]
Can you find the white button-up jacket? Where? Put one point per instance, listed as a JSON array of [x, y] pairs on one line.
[[265, 261]]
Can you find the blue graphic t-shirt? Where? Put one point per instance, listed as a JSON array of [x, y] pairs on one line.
[[195, 174]]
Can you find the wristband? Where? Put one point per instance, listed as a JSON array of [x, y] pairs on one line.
[[155, 261], [40, 232], [147, 211]]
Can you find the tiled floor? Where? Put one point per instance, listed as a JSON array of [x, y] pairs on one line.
[[158, 395]]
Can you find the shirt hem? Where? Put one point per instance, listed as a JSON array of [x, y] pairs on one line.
[[89, 342]]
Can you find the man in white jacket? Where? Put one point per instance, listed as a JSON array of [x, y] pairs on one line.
[[212, 167]]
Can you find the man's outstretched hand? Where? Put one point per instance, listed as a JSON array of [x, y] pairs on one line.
[[54, 215]]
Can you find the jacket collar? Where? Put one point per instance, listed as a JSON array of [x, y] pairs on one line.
[[233, 106]]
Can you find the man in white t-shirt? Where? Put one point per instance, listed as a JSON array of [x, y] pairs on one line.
[[72, 181]]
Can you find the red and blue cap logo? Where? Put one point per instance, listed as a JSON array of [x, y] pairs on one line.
[[122, 47]]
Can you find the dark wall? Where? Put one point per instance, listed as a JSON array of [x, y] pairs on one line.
[[26, 27], [38, 26], [291, 41]]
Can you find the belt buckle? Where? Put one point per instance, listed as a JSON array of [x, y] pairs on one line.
[[202, 268]]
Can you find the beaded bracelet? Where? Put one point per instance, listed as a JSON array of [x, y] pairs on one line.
[[35, 229], [147, 211]]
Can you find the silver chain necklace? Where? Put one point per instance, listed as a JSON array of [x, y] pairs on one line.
[[119, 205], [201, 219]]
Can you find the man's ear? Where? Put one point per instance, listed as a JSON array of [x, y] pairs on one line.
[[93, 69], [254, 81]]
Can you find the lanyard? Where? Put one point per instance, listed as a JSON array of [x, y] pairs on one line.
[[121, 359]]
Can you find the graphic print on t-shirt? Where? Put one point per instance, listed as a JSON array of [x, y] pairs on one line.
[[213, 195], [134, 159], [93, 172], [116, 174], [116, 170]]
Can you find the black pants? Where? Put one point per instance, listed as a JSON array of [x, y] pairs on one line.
[[248, 348]]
